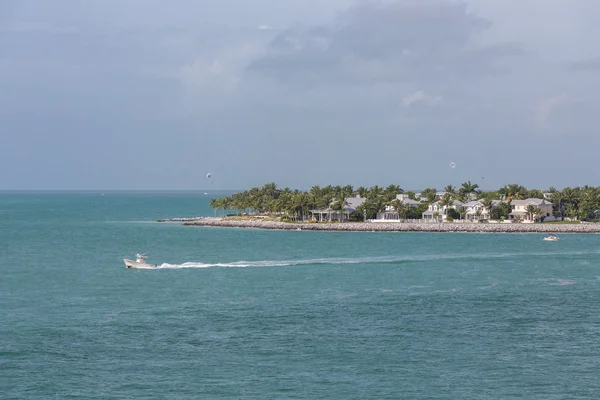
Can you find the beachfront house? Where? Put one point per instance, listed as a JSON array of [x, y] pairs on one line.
[[519, 210], [331, 214], [477, 211], [436, 209], [390, 213]]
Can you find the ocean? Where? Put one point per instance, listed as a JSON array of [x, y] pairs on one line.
[[252, 314]]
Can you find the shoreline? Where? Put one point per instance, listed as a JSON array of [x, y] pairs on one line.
[[390, 226]]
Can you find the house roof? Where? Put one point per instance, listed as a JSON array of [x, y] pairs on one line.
[[478, 202], [411, 202], [457, 203], [530, 201], [354, 202]]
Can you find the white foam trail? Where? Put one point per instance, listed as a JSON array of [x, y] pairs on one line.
[[246, 264], [360, 260]]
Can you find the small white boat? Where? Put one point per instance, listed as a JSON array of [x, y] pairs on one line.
[[551, 238], [140, 262]]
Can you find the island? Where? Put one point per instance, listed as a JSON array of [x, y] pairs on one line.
[[512, 208]]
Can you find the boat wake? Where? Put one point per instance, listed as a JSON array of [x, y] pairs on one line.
[[265, 263], [360, 260]]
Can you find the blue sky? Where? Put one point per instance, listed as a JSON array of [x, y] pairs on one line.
[[131, 94]]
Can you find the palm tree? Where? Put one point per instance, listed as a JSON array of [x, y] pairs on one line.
[[362, 191], [513, 192], [212, 203], [535, 194], [398, 205], [339, 205], [299, 204], [463, 212], [446, 202], [430, 194], [487, 206], [348, 190], [571, 196], [270, 190], [467, 189], [375, 192], [531, 212], [450, 189], [227, 204], [590, 202], [392, 191], [404, 211]]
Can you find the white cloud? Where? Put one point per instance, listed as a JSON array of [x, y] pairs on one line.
[[265, 28], [421, 97], [222, 70], [544, 110], [567, 113]]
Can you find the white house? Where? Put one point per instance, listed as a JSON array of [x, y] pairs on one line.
[[329, 214], [519, 209], [476, 210], [389, 213], [437, 207]]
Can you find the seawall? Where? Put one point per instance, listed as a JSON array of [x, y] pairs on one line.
[[392, 226]]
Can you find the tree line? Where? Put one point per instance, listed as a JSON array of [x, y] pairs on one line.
[[573, 202]]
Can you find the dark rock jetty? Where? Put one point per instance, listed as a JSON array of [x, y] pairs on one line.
[[392, 226]]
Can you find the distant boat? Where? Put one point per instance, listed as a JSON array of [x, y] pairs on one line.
[[551, 238], [140, 262]]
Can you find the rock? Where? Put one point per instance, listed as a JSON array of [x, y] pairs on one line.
[[392, 226]]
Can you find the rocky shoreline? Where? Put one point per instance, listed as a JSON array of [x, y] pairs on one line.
[[391, 226]]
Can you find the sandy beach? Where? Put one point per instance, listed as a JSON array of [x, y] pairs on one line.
[[392, 226]]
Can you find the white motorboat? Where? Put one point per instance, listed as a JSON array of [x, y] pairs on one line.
[[551, 238], [140, 262]]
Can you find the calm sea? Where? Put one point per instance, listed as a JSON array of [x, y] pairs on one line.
[[250, 314]]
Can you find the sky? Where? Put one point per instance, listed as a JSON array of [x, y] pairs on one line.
[[150, 95]]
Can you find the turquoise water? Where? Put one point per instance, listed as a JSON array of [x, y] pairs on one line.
[[249, 314]]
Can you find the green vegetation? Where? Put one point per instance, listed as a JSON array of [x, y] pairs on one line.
[[294, 205]]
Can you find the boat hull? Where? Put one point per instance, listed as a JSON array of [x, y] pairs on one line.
[[551, 239], [139, 265]]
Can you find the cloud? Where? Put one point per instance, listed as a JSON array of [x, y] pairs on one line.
[[404, 40], [422, 98], [28, 28], [567, 114], [545, 108], [591, 65], [265, 28]]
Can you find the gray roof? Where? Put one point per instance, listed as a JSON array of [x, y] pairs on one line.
[[354, 202], [531, 201], [478, 202], [411, 202], [473, 203], [457, 203]]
